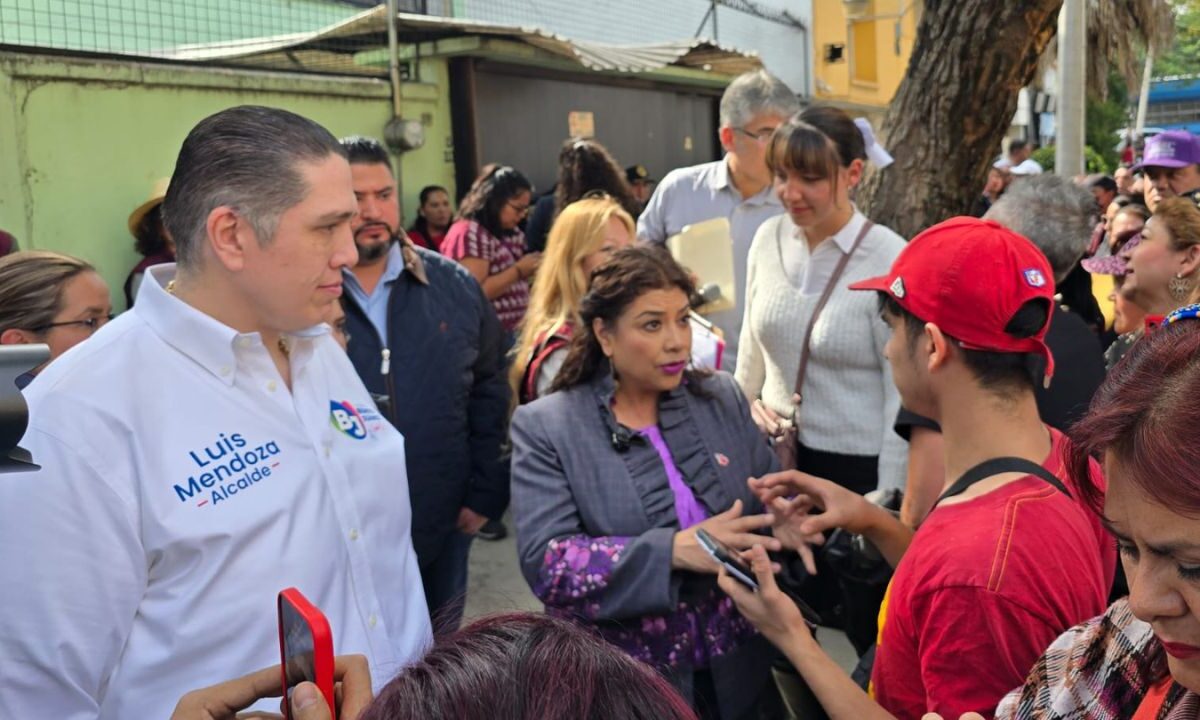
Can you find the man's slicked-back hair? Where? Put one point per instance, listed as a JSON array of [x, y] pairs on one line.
[[362, 150], [244, 158]]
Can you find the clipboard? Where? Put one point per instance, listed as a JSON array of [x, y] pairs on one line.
[[706, 249]]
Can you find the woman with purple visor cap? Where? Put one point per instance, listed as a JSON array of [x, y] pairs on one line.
[[1162, 269], [616, 470], [1109, 263]]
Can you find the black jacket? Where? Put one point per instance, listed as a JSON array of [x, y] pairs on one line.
[[541, 218], [447, 392], [1078, 369]]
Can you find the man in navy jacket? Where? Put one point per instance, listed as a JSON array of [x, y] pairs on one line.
[[423, 336]]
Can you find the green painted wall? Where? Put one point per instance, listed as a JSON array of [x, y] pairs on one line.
[[82, 141]]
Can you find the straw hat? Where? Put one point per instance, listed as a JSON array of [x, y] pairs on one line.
[[157, 194]]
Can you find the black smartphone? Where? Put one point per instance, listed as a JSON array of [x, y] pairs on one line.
[[728, 557]]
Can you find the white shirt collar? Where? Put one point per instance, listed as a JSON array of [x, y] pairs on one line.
[[845, 237], [203, 338]]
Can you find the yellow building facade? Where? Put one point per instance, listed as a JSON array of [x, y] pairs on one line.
[[861, 50]]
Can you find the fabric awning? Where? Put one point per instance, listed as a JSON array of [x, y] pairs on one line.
[[351, 46]]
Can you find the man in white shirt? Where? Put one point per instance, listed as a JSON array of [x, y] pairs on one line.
[[737, 187], [207, 449], [1020, 159]]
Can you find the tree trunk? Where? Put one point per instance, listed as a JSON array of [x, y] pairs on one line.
[[950, 114]]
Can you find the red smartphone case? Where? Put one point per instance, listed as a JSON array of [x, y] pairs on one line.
[[322, 638]]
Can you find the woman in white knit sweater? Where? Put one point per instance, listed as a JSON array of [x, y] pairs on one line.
[[849, 400]]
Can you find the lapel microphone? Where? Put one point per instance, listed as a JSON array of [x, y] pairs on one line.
[[622, 439]]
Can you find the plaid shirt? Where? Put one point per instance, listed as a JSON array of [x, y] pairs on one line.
[[467, 238], [1100, 670]]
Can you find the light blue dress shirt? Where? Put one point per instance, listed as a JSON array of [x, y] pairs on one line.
[[375, 305], [690, 195]]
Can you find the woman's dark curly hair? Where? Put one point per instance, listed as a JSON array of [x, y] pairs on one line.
[[615, 285], [497, 185], [585, 166]]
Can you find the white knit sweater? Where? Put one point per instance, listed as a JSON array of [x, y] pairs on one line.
[[850, 400]]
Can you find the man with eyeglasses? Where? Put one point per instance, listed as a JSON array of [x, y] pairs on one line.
[[737, 187]]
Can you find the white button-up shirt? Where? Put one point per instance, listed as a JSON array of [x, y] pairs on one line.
[[811, 272], [183, 486], [690, 195]]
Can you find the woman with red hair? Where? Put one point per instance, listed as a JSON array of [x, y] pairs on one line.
[[1141, 659], [527, 666]]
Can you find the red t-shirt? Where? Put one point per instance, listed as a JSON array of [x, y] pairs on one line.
[[984, 588], [1152, 704], [428, 239]]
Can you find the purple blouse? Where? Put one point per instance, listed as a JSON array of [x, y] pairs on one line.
[[687, 509], [576, 570]]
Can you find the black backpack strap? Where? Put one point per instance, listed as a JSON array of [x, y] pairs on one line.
[[999, 466]]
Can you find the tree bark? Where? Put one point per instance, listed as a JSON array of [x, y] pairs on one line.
[[950, 114]]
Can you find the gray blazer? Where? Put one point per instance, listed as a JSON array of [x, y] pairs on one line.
[[575, 471]]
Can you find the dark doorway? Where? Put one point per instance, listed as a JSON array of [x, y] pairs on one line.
[[520, 118]]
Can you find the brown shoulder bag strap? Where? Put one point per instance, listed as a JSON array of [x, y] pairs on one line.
[[812, 323]]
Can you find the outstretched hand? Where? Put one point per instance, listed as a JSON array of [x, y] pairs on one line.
[[841, 508], [789, 517], [729, 527]]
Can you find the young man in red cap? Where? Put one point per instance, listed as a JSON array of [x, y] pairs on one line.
[[1008, 559]]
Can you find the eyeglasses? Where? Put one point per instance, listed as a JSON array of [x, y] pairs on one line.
[[761, 136], [518, 209], [92, 324]]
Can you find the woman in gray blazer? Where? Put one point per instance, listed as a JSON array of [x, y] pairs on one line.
[[615, 470]]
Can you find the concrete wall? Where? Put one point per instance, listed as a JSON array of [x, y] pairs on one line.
[[874, 62], [84, 140]]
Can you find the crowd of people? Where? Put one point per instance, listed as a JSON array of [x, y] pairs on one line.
[[939, 445]]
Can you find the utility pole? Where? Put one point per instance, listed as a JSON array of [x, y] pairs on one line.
[[1072, 88], [1144, 94]]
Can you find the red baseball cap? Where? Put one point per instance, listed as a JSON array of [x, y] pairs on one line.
[[969, 277]]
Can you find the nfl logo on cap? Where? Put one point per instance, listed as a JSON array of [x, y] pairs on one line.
[[1035, 278]]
